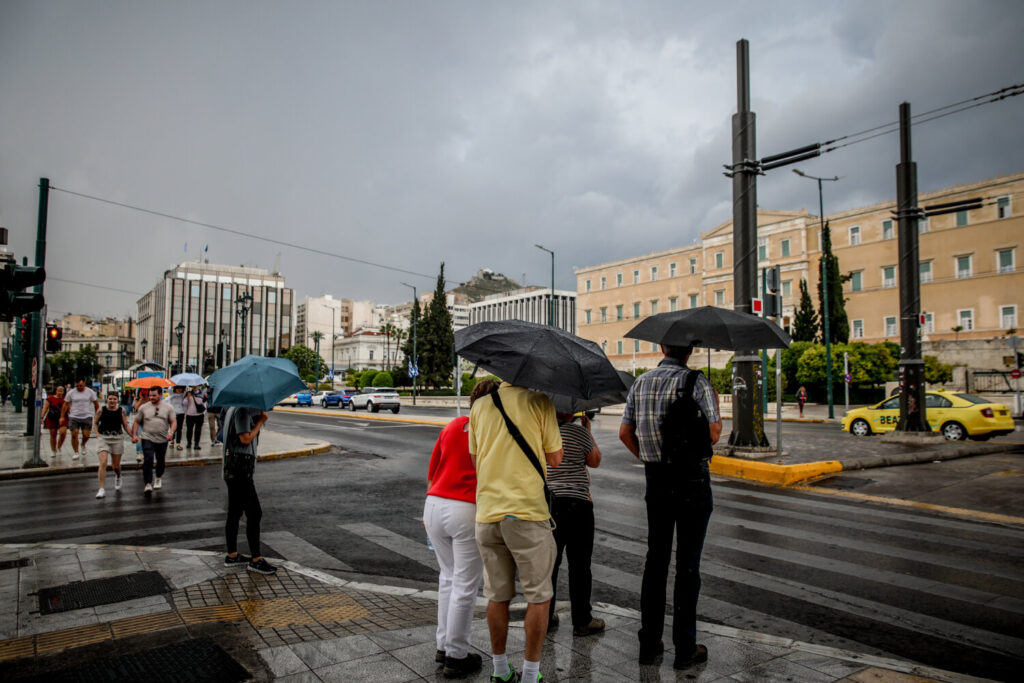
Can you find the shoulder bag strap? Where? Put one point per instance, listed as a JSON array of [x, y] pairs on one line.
[[690, 383], [518, 436]]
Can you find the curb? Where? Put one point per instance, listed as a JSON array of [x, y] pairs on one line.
[[770, 473], [363, 416]]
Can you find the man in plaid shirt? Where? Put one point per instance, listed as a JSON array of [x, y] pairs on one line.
[[678, 502]]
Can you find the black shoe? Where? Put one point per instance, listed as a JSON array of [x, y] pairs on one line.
[[594, 626], [236, 561], [439, 657], [553, 622], [700, 654], [455, 668], [261, 566], [650, 653]]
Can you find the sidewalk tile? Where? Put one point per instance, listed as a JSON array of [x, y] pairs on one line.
[[420, 658], [304, 677], [404, 637], [145, 623], [282, 661], [781, 669], [380, 668], [319, 654], [73, 637], [16, 648], [837, 668]]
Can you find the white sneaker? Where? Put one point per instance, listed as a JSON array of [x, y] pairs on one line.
[[117, 483], [138, 458], [148, 491], [158, 483], [101, 493], [75, 456]]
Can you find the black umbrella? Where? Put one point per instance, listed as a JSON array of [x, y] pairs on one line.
[[540, 357], [574, 404], [711, 327]]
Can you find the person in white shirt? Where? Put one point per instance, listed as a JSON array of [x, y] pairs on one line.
[[80, 405]]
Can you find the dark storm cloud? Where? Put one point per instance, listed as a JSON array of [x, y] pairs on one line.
[[410, 133]]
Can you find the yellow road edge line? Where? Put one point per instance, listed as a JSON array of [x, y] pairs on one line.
[[771, 473], [976, 515], [366, 416]]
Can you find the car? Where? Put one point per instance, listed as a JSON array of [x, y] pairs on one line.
[[317, 396], [331, 398], [304, 398], [375, 398], [292, 400], [956, 415], [347, 395]]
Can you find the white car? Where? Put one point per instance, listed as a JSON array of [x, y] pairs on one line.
[[375, 398]]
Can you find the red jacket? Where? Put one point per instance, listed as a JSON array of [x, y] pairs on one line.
[[451, 472]]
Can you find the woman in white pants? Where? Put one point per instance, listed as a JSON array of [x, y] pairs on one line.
[[450, 518]]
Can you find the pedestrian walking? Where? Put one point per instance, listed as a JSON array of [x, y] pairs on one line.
[[195, 416], [5, 390], [141, 397], [241, 439], [53, 409], [506, 433], [449, 516], [801, 399], [112, 424], [572, 509], [127, 399], [177, 402], [154, 425], [80, 405], [213, 419], [670, 423]]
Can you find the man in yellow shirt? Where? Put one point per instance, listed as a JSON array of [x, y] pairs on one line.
[[513, 523]]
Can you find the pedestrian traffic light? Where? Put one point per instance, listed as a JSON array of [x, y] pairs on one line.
[[24, 333], [14, 279], [53, 338]]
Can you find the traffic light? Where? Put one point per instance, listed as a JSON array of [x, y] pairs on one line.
[[1020, 360], [772, 296], [53, 338], [24, 333], [14, 279]]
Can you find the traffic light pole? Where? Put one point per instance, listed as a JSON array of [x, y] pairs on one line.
[[38, 320], [36, 406]]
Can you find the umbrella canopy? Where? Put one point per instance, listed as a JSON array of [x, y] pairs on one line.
[[539, 357], [573, 404], [188, 379], [713, 328], [255, 382], [147, 382]]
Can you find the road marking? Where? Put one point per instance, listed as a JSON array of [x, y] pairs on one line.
[[299, 550], [356, 426], [396, 543], [377, 418]]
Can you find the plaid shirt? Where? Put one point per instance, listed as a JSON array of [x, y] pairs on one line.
[[650, 397]]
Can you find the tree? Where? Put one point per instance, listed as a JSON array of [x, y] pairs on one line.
[[399, 334], [436, 339], [383, 379], [957, 329], [415, 323], [366, 378], [310, 365], [839, 324], [936, 372], [805, 322], [790, 359]]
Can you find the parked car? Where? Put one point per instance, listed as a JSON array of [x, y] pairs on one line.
[[304, 398], [292, 400], [331, 398], [375, 398], [346, 397], [958, 416]]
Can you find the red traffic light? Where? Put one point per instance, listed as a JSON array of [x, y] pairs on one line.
[[53, 332], [53, 337]]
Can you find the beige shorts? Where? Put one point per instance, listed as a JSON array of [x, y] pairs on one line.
[[112, 444], [517, 544]]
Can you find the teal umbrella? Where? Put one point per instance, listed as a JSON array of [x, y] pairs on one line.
[[255, 382]]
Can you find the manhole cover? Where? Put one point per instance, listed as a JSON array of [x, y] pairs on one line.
[[81, 594], [11, 564], [199, 659]]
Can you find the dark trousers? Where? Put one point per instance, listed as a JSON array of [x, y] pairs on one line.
[[678, 504], [180, 419], [194, 429], [242, 498], [152, 450], [574, 536]]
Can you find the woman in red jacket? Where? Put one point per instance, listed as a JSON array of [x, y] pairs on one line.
[[450, 518]]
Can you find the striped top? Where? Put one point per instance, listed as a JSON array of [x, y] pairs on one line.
[[571, 479]]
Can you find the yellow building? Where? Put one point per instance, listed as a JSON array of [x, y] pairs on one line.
[[968, 262]]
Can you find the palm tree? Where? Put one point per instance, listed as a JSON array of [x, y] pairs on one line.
[[387, 329], [316, 336], [399, 334]]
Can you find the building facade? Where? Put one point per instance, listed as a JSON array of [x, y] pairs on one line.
[[113, 353], [531, 304], [364, 349], [323, 314], [248, 310], [971, 285]]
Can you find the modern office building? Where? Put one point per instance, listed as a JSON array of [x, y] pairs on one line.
[[323, 314], [971, 287], [198, 306], [531, 304]]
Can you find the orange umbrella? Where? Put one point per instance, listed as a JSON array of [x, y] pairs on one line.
[[147, 382]]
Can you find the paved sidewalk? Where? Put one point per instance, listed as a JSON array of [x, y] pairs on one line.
[[210, 622], [16, 450]]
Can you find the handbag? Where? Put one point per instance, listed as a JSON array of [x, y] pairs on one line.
[[235, 464], [521, 440]]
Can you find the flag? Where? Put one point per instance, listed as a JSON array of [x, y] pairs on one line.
[[206, 248], [186, 247]]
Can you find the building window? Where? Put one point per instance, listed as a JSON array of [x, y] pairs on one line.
[[654, 307], [604, 347], [587, 285], [673, 303], [636, 277], [672, 270], [890, 326], [887, 230], [785, 248], [604, 282], [787, 288], [194, 291], [858, 329], [636, 345], [1004, 259], [693, 266], [1007, 317], [719, 259], [604, 314], [922, 225], [371, 354], [1002, 207], [966, 318], [618, 347], [654, 273], [929, 323], [961, 219], [693, 301], [719, 297], [654, 346], [925, 269], [889, 277], [618, 279], [586, 316], [855, 235], [762, 249], [856, 281], [618, 312], [636, 311], [963, 267]]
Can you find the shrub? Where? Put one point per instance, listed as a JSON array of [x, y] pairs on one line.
[[383, 379], [366, 378]]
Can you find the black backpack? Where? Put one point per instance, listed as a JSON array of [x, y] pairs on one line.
[[685, 434]]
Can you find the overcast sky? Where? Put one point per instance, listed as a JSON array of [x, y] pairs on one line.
[[410, 133]]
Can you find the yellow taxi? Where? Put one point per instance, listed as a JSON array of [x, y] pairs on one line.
[[957, 416]]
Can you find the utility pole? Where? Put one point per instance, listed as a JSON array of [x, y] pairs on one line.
[[244, 301], [748, 419], [551, 302], [911, 365], [415, 357], [35, 337]]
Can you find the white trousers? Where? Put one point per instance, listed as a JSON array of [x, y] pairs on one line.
[[451, 526]]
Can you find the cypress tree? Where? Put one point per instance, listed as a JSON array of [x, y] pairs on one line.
[[839, 323], [805, 322], [438, 340]]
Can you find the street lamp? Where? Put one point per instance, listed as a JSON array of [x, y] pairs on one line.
[[824, 286], [551, 303], [143, 344], [179, 330], [415, 357], [333, 334], [244, 303], [223, 347]]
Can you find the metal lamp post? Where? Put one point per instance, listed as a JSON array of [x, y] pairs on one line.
[[223, 347], [824, 288], [143, 344], [333, 333], [179, 330], [244, 303], [415, 357], [551, 303]]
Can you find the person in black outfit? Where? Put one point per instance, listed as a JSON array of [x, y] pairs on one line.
[[195, 416], [241, 429]]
